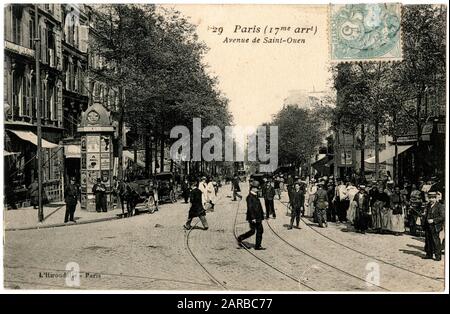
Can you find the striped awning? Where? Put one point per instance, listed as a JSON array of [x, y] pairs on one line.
[[32, 138]]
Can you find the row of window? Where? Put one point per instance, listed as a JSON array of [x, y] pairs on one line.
[[23, 96]]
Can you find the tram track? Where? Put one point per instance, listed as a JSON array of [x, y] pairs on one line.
[[322, 261], [437, 279], [264, 261], [199, 263]]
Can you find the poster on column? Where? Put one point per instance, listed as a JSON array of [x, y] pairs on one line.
[[105, 178], [91, 180], [83, 179], [105, 161], [93, 143], [93, 161], [83, 160], [83, 143], [105, 143]]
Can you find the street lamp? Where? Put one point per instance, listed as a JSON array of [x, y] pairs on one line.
[[37, 41]]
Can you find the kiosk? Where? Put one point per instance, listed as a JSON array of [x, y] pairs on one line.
[[96, 153]]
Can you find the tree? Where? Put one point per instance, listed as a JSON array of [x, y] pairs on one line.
[[299, 135], [155, 57]]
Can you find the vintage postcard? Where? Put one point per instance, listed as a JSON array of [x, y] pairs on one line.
[[225, 147]]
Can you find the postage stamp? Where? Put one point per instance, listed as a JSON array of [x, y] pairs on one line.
[[365, 32]]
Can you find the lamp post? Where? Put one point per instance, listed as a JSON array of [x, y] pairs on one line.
[[37, 41]]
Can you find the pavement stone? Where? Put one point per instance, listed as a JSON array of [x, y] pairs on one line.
[[149, 252]]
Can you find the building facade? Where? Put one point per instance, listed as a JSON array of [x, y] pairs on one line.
[[66, 91], [20, 105]]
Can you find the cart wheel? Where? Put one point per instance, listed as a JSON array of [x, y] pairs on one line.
[[151, 206], [172, 197]]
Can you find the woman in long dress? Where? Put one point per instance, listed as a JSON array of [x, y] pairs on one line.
[[386, 211], [351, 212], [397, 217]]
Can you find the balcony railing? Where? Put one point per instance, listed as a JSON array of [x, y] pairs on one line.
[[26, 112]]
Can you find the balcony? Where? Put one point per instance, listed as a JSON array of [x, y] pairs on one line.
[[24, 112], [19, 49]]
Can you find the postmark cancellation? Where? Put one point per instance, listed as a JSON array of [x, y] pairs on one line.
[[365, 32]]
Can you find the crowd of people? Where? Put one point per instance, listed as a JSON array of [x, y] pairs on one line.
[[379, 206]]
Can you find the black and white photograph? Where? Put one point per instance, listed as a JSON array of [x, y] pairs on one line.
[[225, 147]]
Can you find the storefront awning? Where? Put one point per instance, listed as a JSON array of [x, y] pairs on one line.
[[72, 151], [388, 153], [32, 138], [127, 155], [6, 153]]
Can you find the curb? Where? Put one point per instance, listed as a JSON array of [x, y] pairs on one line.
[[118, 216], [63, 224]]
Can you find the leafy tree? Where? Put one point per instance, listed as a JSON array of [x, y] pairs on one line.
[[300, 134]]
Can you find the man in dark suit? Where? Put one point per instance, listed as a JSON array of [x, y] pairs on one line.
[[185, 188], [434, 223], [255, 216], [297, 201], [99, 189], [71, 193], [236, 188], [362, 215], [321, 205], [269, 194], [196, 209]]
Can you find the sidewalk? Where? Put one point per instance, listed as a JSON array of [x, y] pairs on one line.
[[27, 217]]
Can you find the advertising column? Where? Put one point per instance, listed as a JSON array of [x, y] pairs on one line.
[[96, 155]]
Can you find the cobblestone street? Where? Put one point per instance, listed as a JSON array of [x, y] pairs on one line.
[[153, 252]]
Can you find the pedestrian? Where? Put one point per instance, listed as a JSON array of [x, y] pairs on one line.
[[362, 213], [397, 217], [434, 224], [321, 205], [255, 216], [415, 210], [99, 189], [210, 193], [276, 185], [197, 208], [203, 187], [236, 188], [185, 188], [119, 189], [312, 190], [376, 205], [33, 191], [342, 201], [297, 202], [331, 212], [269, 195], [131, 196], [386, 211], [351, 192], [71, 193]]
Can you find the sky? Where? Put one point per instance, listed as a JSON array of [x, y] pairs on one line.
[[256, 78]]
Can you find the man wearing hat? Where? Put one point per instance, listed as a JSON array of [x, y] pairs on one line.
[[321, 205], [196, 209], [297, 201], [362, 202], [236, 188], [255, 216], [71, 193], [434, 223], [269, 195], [99, 189], [203, 187]]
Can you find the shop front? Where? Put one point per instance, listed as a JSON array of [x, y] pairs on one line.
[[20, 164]]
